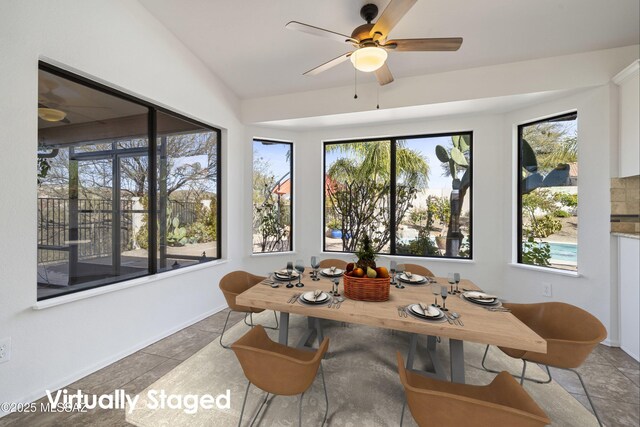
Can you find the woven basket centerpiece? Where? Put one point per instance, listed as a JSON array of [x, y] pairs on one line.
[[363, 281]]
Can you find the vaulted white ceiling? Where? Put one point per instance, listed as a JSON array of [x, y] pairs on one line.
[[245, 43]]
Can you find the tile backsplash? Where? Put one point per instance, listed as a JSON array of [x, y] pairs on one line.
[[625, 204]]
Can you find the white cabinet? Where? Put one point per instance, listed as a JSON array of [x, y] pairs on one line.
[[628, 81], [629, 279]]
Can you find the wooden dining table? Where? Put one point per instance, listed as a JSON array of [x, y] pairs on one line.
[[480, 325]]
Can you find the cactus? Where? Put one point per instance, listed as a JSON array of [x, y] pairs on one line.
[[456, 161], [176, 235]]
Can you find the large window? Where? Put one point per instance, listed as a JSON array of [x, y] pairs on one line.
[[105, 158], [410, 195], [272, 196], [548, 192]]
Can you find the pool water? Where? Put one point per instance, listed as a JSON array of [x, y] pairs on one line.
[[564, 251]]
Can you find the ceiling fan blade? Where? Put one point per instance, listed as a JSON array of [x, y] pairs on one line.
[[383, 75], [321, 32], [328, 64], [392, 14], [424, 45]]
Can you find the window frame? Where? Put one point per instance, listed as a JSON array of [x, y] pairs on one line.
[[392, 191], [291, 202], [518, 174], [152, 175]]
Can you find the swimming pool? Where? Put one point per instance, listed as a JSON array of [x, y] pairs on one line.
[[564, 251]]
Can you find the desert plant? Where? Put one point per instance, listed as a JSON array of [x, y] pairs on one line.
[[536, 253]]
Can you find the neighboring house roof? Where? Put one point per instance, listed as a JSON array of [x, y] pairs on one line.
[[573, 170], [283, 188]]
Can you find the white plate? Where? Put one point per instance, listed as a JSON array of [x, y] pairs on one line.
[[415, 278], [432, 312], [283, 274], [327, 272], [494, 302], [308, 298]]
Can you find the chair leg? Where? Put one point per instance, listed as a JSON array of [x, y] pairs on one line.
[[300, 410], [547, 381], [224, 329], [255, 417], [404, 404], [326, 397], [588, 396], [524, 368], [244, 402], [251, 324]]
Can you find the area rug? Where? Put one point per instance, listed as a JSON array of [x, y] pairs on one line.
[[362, 382]]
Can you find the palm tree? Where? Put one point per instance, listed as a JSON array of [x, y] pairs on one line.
[[358, 189]]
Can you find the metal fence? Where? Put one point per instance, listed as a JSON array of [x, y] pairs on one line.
[[95, 222]]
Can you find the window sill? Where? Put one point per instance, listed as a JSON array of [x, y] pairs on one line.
[[266, 254], [407, 257], [53, 302], [546, 270]]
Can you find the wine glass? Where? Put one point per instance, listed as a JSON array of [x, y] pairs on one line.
[[444, 294], [315, 264], [289, 272], [436, 291], [399, 271], [392, 270], [300, 270], [456, 278], [451, 279]]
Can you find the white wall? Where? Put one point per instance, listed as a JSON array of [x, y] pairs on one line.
[[594, 289], [629, 108], [119, 43]]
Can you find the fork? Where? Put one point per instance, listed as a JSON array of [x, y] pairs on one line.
[[293, 298], [401, 311]]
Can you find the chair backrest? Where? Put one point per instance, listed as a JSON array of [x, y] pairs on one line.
[[235, 283], [333, 262], [276, 368], [571, 332], [416, 269], [469, 405]]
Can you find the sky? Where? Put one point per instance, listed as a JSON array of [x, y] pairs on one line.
[[275, 155]]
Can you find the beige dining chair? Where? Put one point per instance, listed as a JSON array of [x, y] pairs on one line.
[[416, 269], [333, 262], [278, 369], [232, 285], [441, 403], [571, 334]]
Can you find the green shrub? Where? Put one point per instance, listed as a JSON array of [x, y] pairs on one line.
[[561, 214], [536, 253]]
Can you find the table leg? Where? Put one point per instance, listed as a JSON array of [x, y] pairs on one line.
[[284, 328], [413, 344], [456, 352]]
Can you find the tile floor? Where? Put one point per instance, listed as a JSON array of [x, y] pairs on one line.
[[613, 379]]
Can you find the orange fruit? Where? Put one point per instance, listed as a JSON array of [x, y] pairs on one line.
[[382, 272], [358, 272]]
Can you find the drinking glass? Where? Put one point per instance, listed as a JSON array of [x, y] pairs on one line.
[[300, 270], [444, 294], [399, 272], [456, 278], [289, 272], [315, 264], [392, 270], [452, 280], [436, 291]]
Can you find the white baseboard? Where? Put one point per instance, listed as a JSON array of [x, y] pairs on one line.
[[32, 397], [611, 343], [630, 353]]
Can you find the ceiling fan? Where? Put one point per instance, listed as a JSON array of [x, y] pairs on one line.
[[370, 40]]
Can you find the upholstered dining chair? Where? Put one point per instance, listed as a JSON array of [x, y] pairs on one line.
[[278, 369], [333, 262], [232, 285], [571, 334], [502, 403], [417, 269]]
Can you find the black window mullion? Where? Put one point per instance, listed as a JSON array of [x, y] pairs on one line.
[[392, 197], [153, 193]]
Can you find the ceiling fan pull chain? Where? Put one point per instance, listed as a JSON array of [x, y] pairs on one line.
[[355, 83], [377, 97]]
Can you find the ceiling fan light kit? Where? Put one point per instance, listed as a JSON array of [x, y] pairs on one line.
[[51, 114], [370, 41], [368, 59]]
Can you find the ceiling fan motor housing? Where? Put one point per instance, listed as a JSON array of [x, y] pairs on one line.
[[369, 12]]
